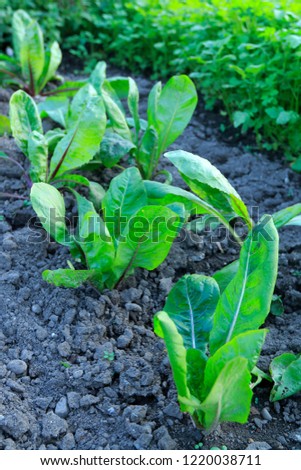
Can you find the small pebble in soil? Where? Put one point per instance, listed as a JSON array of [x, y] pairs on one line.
[[296, 435], [266, 414], [53, 426], [36, 309], [132, 307], [17, 366], [61, 408], [259, 445]]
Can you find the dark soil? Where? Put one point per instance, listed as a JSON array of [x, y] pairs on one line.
[[80, 370]]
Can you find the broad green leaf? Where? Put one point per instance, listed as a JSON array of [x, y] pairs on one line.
[[245, 302], [230, 397], [165, 328], [147, 155], [247, 345], [96, 242], [152, 104], [24, 118], [56, 108], [53, 58], [82, 141], [124, 197], [79, 104], [208, 183], [286, 373], [4, 125], [20, 23], [98, 76], [38, 156], [49, 206], [225, 275], [117, 119], [191, 304], [175, 107], [284, 216], [68, 277], [112, 148], [146, 240], [164, 194], [32, 56], [133, 104]]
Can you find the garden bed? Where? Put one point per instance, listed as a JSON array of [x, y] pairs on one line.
[[80, 370]]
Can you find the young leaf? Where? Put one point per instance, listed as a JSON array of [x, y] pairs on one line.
[[175, 107], [21, 21], [165, 328], [133, 104], [32, 56], [24, 118], [82, 141], [53, 58], [230, 397], [286, 373], [49, 205], [245, 302], [208, 183], [147, 155], [124, 197], [98, 76], [118, 122], [146, 240], [191, 304], [38, 156], [152, 104]]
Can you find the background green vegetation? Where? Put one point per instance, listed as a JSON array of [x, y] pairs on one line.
[[244, 56]]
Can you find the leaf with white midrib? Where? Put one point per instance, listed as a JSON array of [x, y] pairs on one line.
[[191, 304], [245, 302]]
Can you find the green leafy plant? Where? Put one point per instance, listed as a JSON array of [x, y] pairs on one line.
[[55, 155], [131, 233], [31, 67], [109, 355], [212, 338], [214, 199], [169, 111]]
